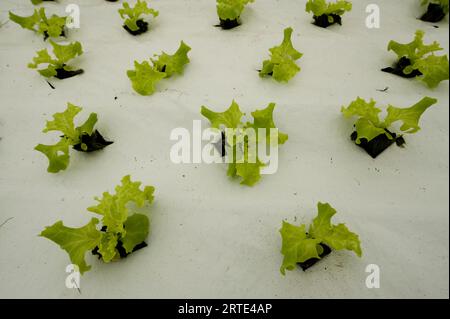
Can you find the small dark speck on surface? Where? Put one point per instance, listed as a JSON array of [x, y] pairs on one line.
[[383, 90], [51, 85], [436, 26], [183, 176], [115, 98], [7, 220], [295, 194]]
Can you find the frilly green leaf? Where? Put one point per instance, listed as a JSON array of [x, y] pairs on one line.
[[282, 66], [409, 116], [175, 63], [321, 7], [133, 14], [144, 77], [244, 164], [75, 241], [434, 69], [119, 225], [299, 246], [231, 9]]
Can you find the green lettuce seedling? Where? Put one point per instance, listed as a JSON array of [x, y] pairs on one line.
[[36, 2], [145, 75], [282, 66], [229, 12], [368, 125], [83, 138], [306, 248], [57, 66], [436, 10], [244, 167], [134, 23], [38, 22], [418, 60], [123, 231], [326, 14]]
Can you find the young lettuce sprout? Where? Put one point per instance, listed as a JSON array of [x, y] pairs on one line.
[[282, 66], [134, 23], [326, 14], [123, 231], [145, 75], [243, 163], [305, 248], [36, 2], [229, 12], [436, 10], [58, 67], [415, 59], [374, 135], [83, 138], [38, 22]]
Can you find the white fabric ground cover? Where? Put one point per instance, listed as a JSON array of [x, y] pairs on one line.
[[211, 237]]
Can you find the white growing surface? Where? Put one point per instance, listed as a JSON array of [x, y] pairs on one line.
[[211, 237]]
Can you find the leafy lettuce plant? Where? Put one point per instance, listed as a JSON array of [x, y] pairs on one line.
[[418, 60], [229, 12], [244, 167], [83, 138], [145, 75], [306, 248], [123, 231], [134, 23], [375, 135], [57, 67], [53, 26], [281, 65], [436, 10], [327, 13]]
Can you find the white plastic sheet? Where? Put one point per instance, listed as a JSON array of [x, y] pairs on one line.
[[211, 237]]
